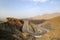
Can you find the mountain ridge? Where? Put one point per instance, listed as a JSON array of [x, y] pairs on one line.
[[45, 16]]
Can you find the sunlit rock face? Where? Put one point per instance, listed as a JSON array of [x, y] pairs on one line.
[[16, 22]]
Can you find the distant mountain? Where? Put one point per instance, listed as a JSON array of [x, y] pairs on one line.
[[46, 16]]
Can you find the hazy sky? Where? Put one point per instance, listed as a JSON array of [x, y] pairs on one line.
[[27, 8]]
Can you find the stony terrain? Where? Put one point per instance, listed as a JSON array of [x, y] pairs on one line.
[[53, 25], [18, 29]]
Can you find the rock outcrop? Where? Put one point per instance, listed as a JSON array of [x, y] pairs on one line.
[[16, 22], [11, 29]]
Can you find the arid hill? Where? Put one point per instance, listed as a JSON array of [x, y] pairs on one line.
[[45, 16], [11, 29], [53, 25]]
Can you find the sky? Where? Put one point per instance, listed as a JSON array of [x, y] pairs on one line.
[[27, 8]]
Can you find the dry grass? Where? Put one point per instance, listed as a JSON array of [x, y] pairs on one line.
[[55, 33]]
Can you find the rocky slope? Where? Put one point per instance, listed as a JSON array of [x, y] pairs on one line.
[[53, 25], [11, 29]]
